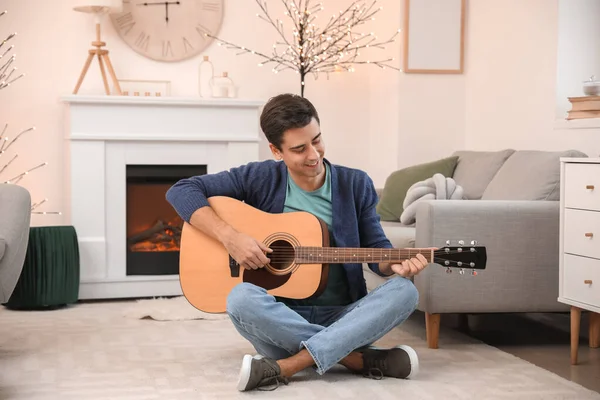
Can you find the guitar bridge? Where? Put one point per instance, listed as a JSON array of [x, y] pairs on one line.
[[234, 266]]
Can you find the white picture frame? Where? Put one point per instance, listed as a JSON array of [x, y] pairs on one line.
[[433, 33], [145, 88]]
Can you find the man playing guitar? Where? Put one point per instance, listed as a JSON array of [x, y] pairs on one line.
[[340, 325]]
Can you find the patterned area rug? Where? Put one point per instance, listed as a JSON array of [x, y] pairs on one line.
[[98, 351]]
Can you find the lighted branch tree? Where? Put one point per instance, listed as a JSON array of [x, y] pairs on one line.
[[8, 75], [309, 49]]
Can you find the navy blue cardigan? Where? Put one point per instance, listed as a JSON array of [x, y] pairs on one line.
[[263, 186]]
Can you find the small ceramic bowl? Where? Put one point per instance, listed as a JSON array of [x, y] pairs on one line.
[[591, 87]]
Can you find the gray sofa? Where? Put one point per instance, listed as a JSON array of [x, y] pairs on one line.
[[511, 208], [15, 215]]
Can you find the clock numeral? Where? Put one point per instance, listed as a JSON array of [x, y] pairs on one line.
[[203, 31], [211, 6], [167, 50], [125, 22], [142, 41], [186, 45]]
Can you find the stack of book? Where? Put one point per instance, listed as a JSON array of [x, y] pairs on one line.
[[584, 107]]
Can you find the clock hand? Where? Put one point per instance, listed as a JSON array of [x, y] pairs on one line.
[[160, 3], [167, 9]]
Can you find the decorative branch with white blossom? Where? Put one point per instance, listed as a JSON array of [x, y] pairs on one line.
[[7, 77], [6, 72], [311, 50]]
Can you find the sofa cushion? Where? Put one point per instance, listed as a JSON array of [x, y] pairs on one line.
[[401, 236], [529, 175], [475, 170], [392, 197]]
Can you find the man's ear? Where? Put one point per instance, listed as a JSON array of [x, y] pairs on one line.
[[275, 151]]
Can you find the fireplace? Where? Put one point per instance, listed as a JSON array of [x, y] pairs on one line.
[[132, 149], [153, 227]]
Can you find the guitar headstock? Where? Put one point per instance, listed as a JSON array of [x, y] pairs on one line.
[[463, 255]]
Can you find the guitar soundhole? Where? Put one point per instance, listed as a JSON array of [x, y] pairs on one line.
[[283, 254]]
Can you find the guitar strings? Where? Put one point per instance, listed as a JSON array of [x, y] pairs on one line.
[[328, 252], [290, 253], [280, 257], [441, 262], [365, 252]]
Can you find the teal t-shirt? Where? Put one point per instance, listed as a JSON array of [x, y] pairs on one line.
[[318, 203]]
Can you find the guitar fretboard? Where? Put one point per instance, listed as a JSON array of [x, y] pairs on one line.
[[333, 255]]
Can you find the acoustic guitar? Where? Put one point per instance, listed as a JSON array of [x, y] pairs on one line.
[[298, 267]]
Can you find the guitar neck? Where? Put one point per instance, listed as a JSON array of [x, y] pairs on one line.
[[343, 255]]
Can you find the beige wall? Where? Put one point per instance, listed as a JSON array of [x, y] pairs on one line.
[[52, 46], [505, 98], [373, 119], [511, 79]]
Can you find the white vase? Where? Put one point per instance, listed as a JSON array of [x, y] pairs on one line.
[[222, 86], [205, 75]]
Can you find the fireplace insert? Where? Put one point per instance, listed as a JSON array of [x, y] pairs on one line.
[[153, 226]]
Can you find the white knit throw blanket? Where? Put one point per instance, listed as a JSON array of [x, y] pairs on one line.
[[437, 187]]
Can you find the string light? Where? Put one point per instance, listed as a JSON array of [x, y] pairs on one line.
[[310, 50], [8, 76]]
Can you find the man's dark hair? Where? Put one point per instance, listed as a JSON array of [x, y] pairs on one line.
[[283, 112]]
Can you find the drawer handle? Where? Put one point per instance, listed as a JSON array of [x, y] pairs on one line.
[[589, 187], [589, 234], [588, 281]]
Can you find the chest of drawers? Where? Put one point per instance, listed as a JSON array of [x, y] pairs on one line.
[[579, 281]]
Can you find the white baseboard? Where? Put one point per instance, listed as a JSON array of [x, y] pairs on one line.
[[129, 289]]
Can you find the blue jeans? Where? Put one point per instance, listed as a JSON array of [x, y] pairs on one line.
[[328, 333]]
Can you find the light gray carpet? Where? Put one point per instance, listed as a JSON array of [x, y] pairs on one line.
[[101, 351]]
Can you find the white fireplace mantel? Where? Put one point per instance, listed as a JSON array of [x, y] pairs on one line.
[[104, 134]]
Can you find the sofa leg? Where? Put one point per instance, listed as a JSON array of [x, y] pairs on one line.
[[432, 327]]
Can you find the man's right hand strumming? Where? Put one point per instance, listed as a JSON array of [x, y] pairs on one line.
[[247, 251]]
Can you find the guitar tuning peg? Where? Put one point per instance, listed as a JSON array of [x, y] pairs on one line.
[[447, 243], [461, 242], [473, 242], [473, 272], [462, 271], [448, 270]]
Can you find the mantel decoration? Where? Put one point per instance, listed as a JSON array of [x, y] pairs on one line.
[[312, 50], [99, 8], [8, 75]]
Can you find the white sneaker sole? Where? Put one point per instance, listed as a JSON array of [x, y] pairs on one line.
[[244, 373], [414, 360], [244, 376], [412, 356]]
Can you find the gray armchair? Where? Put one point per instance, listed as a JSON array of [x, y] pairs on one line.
[[15, 215]]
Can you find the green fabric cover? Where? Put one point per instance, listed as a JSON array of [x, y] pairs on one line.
[[50, 274], [390, 205]]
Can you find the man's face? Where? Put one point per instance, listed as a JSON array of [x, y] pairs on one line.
[[302, 151]]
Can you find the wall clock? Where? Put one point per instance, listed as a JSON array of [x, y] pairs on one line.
[[171, 30]]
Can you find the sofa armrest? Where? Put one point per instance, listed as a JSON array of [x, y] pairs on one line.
[[521, 240]]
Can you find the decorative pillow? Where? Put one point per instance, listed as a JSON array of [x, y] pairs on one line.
[[397, 184], [437, 187], [529, 175], [475, 170]]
